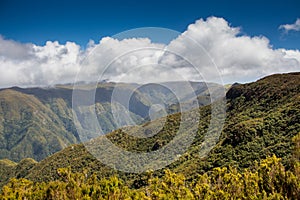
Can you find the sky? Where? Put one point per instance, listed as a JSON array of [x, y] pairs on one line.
[[44, 42]]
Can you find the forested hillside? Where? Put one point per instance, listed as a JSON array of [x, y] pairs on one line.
[[262, 118], [37, 122]]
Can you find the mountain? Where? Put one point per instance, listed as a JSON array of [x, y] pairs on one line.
[[37, 122], [262, 118], [29, 128]]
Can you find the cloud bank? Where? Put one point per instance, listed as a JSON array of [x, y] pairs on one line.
[[291, 27], [239, 58]]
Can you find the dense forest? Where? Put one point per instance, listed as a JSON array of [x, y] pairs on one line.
[[257, 156], [38, 122], [268, 179]]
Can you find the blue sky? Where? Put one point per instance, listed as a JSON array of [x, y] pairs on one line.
[[45, 42], [39, 21]]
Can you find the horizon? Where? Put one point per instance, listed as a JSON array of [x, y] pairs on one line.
[[43, 48], [109, 82], [149, 99]]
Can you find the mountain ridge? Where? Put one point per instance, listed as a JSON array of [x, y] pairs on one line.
[[41, 119], [256, 126]]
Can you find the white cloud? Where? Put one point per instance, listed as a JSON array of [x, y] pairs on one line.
[[10, 49], [205, 43], [239, 58], [32, 65], [291, 27], [120, 60]]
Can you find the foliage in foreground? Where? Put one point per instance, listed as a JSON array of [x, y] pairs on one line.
[[267, 180]]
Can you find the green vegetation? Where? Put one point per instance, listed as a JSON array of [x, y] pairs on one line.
[[257, 156], [29, 128], [37, 122], [267, 180]]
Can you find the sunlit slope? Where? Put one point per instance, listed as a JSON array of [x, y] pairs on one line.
[[262, 117]]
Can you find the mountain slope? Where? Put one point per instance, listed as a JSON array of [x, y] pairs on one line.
[[262, 118], [29, 128], [37, 122]]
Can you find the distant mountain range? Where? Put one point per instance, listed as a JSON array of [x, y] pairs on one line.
[[262, 117], [37, 122]]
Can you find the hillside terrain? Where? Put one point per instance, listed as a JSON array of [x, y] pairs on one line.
[[37, 122], [262, 118]]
